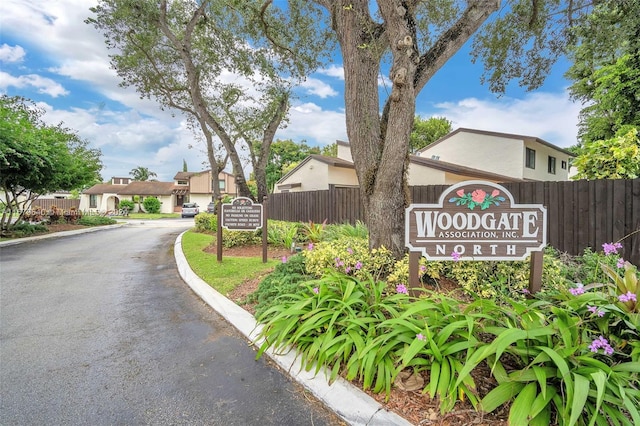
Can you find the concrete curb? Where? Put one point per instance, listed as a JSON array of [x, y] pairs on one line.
[[354, 406], [60, 234]]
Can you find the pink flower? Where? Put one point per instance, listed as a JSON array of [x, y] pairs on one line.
[[310, 247], [358, 265], [579, 289], [478, 195], [495, 193], [420, 336], [610, 248], [350, 250], [455, 255], [401, 288], [601, 343], [316, 290], [620, 263], [595, 310], [284, 259], [460, 192], [347, 269], [628, 297]]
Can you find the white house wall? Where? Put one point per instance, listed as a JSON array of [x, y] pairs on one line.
[[482, 152], [314, 176], [421, 175], [541, 171]]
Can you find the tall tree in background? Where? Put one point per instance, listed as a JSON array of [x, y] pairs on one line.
[[209, 60], [184, 165], [426, 132], [142, 174], [283, 154], [614, 158], [36, 158], [606, 69]]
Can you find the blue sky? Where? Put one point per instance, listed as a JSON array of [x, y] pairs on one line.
[[49, 55]]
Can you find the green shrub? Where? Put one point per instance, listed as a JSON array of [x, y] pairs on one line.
[[346, 230], [87, 220], [286, 280], [151, 205], [206, 222], [25, 229], [240, 238], [126, 204], [284, 234], [350, 255]]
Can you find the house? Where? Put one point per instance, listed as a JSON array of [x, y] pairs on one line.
[[516, 156], [186, 187], [464, 154]]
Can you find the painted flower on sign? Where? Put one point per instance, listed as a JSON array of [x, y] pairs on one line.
[[478, 197]]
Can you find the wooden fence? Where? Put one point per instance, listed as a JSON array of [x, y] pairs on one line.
[[580, 214], [61, 203]]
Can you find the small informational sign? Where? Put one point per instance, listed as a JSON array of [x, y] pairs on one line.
[[476, 220], [242, 215]]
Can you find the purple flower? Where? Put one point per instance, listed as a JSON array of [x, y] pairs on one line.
[[347, 269], [401, 288], [525, 291], [339, 262], [601, 343], [358, 265], [610, 248], [620, 263], [310, 246], [350, 250], [628, 297], [455, 255], [420, 336], [595, 310], [316, 290], [577, 290], [423, 268], [284, 259]]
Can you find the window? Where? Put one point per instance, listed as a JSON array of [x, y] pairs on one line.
[[530, 160], [221, 184], [563, 164], [552, 165], [183, 182], [93, 201]]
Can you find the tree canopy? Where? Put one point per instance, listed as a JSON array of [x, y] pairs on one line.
[[142, 173], [36, 158], [606, 69], [427, 131], [282, 155], [614, 158], [213, 61]]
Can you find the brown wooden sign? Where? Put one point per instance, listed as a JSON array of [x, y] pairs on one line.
[[476, 220], [242, 215]]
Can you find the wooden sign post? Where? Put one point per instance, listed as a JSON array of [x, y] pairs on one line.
[[242, 215], [477, 220]]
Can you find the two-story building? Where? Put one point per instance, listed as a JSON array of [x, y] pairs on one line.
[[463, 154]]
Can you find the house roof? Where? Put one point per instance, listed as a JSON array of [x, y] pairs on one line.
[[460, 170], [332, 161], [187, 175], [147, 188], [103, 188], [500, 135]]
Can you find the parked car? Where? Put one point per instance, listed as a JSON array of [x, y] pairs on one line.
[[211, 207], [190, 209]]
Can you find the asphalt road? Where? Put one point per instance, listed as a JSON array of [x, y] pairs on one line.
[[99, 329]]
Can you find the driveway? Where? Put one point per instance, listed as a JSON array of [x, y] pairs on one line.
[[99, 329]]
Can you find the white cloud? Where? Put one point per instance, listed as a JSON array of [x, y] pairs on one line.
[[40, 84], [333, 71], [549, 116], [11, 53], [315, 125], [317, 87]]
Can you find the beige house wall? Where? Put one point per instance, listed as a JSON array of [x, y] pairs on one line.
[[313, 176], [541, 171], [493, 154], [344, 152], [421, 175], [200, 184]]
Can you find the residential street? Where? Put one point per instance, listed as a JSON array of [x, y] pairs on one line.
[[99, 329]]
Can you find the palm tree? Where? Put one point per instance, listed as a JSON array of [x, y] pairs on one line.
[[142, 173]]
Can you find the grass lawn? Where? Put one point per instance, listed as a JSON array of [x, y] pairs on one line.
[[224, 276]]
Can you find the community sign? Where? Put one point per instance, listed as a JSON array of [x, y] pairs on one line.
[[476, 220], [242, 215]]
